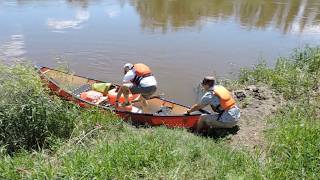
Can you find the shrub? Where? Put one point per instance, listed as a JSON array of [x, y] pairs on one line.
[[29, 118]]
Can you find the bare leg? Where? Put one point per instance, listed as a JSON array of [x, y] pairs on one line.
[[143, 101], [126, 91], [119, 94]]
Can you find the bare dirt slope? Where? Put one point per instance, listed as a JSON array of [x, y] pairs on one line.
[[257, 103]]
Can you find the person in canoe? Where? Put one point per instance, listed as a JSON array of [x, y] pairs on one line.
[[222, 103], [138, 79]]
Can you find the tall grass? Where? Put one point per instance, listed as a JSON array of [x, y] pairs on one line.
[[29, 118], [32, 119], [297, 76]]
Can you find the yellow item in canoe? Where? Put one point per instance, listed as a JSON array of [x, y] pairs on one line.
[[101, 87]]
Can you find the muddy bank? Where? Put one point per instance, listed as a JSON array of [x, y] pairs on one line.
[[257, 103]]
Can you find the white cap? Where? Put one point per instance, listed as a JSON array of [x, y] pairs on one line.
[[128, 65]]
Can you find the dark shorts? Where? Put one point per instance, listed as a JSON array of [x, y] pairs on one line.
[[146, 92]]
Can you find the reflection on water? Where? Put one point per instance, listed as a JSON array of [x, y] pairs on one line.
[[81, 3], [286, 15], [13, 49], [111, 12], [80, 17], [74, 3]]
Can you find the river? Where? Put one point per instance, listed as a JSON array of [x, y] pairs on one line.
[[181, 40]]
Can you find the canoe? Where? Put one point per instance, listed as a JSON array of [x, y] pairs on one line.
[[68, 86]]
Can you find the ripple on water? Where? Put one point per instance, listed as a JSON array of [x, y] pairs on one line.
[[14, 48]]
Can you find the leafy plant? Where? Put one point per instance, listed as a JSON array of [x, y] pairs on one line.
[[29, 117]]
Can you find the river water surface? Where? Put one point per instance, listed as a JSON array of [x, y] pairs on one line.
[[181, 40]]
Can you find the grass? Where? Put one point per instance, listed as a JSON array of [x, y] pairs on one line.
[[294, 137], [294, 143], [30, 119], [99, 145], [297, 76], [137, 153]]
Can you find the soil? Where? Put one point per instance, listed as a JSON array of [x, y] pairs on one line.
[[257, 104]]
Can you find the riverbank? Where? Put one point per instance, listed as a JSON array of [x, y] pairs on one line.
[[279, 132]]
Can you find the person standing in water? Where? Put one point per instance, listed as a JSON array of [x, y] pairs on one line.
[[138, 79], [222, 103]]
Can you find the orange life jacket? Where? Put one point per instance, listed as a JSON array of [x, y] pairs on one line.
[[226, 100], [142, 71], [112, 96]]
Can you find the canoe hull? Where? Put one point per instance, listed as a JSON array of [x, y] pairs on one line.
[[169, 121], [179, 121]]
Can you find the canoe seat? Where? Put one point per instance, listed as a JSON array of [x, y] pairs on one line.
[[81, 89]]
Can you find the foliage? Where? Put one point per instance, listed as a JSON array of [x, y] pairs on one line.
[[29, 118], [295, 77]]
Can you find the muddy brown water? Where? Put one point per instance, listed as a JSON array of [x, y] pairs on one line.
[[182, 40]]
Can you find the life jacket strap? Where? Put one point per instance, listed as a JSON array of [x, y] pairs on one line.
[[147, 75], [137, 79]]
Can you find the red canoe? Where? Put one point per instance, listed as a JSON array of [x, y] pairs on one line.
[[68, 86]]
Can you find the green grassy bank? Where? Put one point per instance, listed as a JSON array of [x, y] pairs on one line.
[[44, 137], [294, 136]]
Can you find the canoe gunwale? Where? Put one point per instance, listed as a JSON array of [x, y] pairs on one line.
[[109, 108]]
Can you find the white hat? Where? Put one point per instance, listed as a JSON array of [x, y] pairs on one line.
[[128, 65]]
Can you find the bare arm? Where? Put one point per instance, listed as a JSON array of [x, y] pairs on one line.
[[195, 107]]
